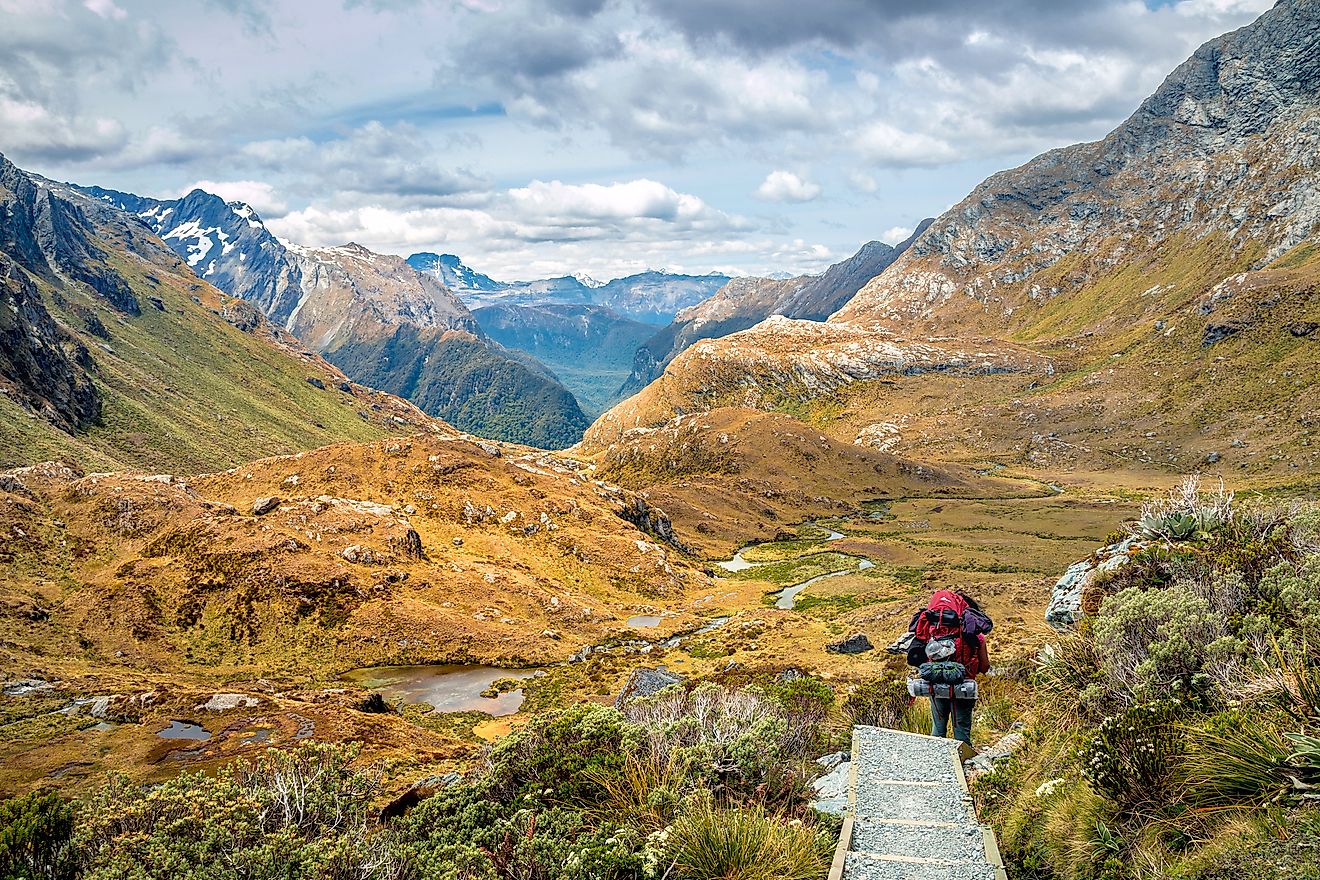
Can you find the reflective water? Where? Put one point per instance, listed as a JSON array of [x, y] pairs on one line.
[[787, 597], [644, 621], [449, 688], [183, 730]]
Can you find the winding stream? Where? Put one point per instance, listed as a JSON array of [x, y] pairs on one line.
[[786, 599]]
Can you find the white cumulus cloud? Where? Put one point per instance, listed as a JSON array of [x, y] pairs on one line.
[[895, 234], [785, 186]]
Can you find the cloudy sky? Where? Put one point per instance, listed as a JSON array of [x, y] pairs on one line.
[[537, 137]]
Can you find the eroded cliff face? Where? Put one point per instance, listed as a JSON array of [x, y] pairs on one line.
[[1227, 148], [41, 366]]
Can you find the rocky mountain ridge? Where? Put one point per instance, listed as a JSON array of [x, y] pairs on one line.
[[652, 297], [1168, 274], [353, 305], [744, 302]]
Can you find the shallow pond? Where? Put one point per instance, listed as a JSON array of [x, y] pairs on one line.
[[737, 563], [447, 688], [183, 730], [644, 621]]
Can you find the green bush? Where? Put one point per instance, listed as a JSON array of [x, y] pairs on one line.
[[880, 702], [34, 837], [1158, 642], [559, 755], [804, 704], [1132, 757]]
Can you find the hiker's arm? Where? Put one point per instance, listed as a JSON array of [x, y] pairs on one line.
[[983, 655]]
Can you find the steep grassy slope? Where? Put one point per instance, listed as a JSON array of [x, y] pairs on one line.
[[469, 382], [188, 378]]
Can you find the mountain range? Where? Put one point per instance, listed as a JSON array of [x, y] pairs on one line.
[[1149, 300], [116, 354], [387, 324], [744, 302], [652, 297]]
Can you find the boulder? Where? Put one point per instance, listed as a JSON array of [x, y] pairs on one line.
[[832, 789], [791, 673], [857, 643], [986, 760], [225, 702], [1065, 608], [265, 505], [646, 682]]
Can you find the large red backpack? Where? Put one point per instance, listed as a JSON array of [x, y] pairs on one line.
[[949, 619]]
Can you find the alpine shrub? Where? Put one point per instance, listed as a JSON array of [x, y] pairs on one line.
[[880, 702], [1159, 642], [1131, 758], [34, 837]]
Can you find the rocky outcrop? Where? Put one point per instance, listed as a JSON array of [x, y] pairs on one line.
[[744, 302], [857, 643], [1069, 597], [45, 368], [645, 683]]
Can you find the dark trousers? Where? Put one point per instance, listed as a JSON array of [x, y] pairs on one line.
[[962, 718]]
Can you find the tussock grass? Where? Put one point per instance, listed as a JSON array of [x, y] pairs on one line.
[[745, 844]]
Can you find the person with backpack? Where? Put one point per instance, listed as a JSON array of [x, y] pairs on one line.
[[947, 646]]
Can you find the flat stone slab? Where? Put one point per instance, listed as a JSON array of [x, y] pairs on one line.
[[864, 866], [954, 843]]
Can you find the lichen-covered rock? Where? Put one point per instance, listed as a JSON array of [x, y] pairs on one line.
[[1065, 608], [646, 682]]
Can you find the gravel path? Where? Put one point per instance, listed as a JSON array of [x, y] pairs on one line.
[[913, 817]]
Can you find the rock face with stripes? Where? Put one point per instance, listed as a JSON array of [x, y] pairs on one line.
[[910, 816]]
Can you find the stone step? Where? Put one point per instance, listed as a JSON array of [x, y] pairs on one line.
[[867, 866], [891, 755], [908, 801], [953, 842]]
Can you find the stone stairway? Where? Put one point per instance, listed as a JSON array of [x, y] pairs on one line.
[[909, 815]]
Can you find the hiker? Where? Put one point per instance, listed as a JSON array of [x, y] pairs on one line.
[[947, 646]]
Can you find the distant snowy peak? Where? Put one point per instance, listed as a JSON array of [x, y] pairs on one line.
[[452, 272], [586, 280]]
